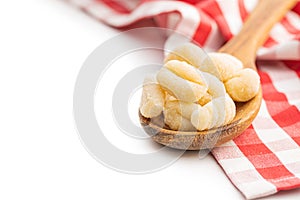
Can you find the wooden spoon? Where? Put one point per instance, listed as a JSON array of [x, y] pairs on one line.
[[243, 46]]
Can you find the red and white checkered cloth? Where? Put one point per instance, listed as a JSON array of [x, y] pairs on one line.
[[266, 157]]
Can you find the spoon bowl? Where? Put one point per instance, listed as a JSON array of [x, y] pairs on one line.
[[206, 139], [244, 47]]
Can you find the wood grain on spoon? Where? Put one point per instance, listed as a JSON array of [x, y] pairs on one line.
[[243, 46]]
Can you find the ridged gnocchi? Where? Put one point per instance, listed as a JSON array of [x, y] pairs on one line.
[[241, 84], [182, 81], [195, 90], [152, 102]]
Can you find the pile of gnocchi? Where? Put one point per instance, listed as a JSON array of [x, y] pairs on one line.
[[197, 91]]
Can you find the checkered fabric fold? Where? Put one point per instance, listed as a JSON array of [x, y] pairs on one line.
[[266, 157]]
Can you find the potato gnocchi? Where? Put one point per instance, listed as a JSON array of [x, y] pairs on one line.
[[195, 90], [152, 102], [241, 84]]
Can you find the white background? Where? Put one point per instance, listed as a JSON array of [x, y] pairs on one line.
[[43, 44]]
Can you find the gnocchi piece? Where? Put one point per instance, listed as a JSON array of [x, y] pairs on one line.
[[152, 102], [177, 85], [201, 119], [186, 71], [243, 86], [218, 112], [224, 108], [189, 53]]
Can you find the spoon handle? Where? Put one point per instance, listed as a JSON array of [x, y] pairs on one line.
[[256, 29]]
